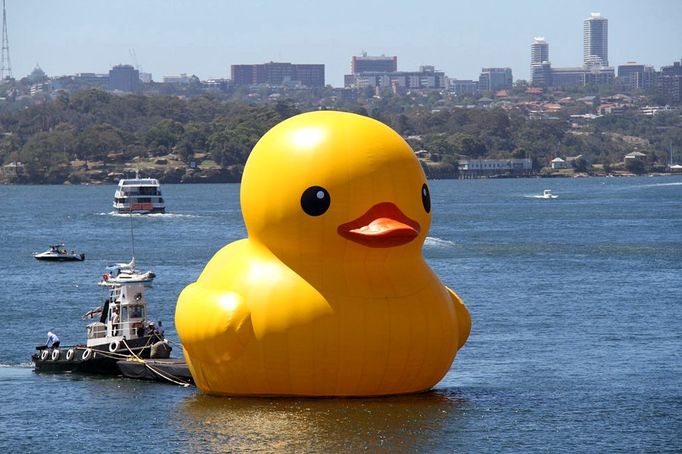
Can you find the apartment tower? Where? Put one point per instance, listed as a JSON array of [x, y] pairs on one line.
[[596, 41]]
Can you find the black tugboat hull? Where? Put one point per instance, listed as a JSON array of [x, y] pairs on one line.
[[97, 360]]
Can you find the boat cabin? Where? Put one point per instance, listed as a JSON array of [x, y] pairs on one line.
[[58, 249], [123, 316]]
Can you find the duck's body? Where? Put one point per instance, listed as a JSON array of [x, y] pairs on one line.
[[328, 303]]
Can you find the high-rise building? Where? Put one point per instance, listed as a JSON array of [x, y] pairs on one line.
[[278, 74], [539, 51], [596, 41], [382, 64], [492, 79], [124, 78], [539, 55]]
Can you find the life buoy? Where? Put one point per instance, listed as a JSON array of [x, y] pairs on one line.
[[105, 276], [86, 354], [113, 346], [43, 355], [55, 355], [69, 354]]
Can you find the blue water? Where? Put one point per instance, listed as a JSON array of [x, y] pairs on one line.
[[576, 306]]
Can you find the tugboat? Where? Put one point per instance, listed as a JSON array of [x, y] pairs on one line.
[[120, 333], [59, 253]]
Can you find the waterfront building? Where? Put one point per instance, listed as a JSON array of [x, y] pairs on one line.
[[369, 64], [278, 74], [595, 41], [471, 168], [558, 163], [493, 79], [125, 78]]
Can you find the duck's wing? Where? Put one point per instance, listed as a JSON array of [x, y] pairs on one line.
[[463, 318], [214, 325]]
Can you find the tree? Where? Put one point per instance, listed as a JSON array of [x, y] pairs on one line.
[[635, 166], [45, 155], [467, 144], [97, 141], [165, 134]]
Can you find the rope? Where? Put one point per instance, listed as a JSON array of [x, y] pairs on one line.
[[171, 378]]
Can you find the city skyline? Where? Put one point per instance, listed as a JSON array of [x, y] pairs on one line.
[[206, 38]]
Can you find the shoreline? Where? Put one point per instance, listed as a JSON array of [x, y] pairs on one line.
[[459, 177]]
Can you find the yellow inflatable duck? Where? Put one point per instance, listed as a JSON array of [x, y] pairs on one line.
[[329, 295]]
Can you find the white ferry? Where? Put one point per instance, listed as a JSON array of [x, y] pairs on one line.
[[139, 195]]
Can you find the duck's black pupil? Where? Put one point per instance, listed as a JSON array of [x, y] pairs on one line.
[[426, 198], [315, 200]]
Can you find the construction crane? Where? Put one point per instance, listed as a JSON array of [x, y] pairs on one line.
[[133, 56]]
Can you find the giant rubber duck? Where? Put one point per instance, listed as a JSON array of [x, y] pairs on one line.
[[329, 295]]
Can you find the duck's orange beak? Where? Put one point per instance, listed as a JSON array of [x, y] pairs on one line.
[[384, 225]]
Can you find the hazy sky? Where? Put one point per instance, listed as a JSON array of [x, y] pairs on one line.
[[205, 37]]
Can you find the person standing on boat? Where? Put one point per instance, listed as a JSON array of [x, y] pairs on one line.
[[52, 340], [114, 322], [160, 331]]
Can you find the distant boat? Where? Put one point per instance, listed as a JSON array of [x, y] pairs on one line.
[[139, 195], [547, 194], [58, 253], [122, 273]]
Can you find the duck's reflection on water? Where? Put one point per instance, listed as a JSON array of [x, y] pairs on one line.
[[412, 422]]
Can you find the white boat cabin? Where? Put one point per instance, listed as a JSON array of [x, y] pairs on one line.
[[123, 316]]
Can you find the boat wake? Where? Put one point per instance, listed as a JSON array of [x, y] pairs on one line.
[[658, 185], [149, 215], [439, 248], [17, 366]]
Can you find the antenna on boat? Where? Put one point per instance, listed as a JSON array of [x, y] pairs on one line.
[[132, 234]]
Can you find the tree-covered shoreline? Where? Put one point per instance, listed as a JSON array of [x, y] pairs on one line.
[[93, 136]]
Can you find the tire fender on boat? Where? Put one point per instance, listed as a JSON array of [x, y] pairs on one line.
[[113, 346], [69, 354], [43, 355], [86, 354], [55, 355]]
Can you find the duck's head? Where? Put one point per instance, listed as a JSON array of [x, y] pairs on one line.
[[324, 185]]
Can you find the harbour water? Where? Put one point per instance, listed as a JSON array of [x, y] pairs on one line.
[[576, 308]]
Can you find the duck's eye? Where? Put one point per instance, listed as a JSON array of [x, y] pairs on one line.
[[315, 200], [426, 198]]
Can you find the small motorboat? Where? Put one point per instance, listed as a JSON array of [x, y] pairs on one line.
[[125, 273], [547, 194], [59, 253]]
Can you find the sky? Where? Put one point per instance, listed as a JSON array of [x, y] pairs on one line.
[[205, 37]]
